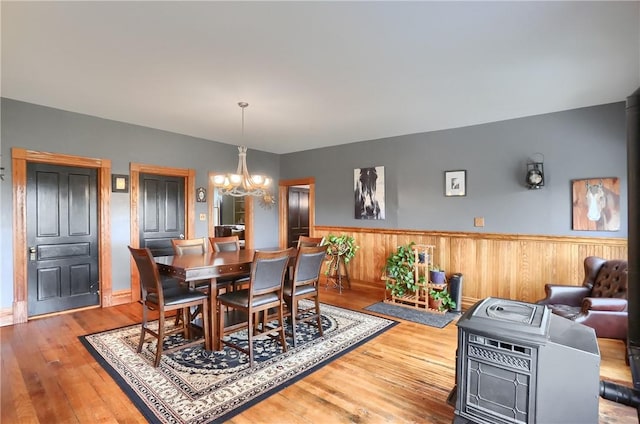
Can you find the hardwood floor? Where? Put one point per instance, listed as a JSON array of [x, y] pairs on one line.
[[403, 375]]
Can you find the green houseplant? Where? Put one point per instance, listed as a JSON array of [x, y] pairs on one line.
[[441, 300], [399, 271], [343, 246]]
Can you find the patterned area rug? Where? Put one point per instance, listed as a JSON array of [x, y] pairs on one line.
[[412, 314], [193, 385]]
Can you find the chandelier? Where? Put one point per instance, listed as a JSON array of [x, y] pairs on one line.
[[242, 183]]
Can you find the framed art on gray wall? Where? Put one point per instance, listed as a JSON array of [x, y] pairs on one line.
[[368, 186], [596, 204], [455, 183]]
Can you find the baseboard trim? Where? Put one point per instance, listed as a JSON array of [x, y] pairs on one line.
[[6, 317]]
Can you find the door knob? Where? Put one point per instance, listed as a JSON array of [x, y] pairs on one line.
[[32, 253]]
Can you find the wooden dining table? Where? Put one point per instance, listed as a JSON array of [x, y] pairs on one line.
[[211, 265]]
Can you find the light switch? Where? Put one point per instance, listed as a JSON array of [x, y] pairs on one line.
[[478, 221], [203, 217]]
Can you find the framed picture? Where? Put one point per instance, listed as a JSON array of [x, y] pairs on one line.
[[455, 183], [119, 183], [201, 194], [596, 204], [368, 188]]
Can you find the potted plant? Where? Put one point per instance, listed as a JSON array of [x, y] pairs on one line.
[[441, 300], [437, 275], [342, 247], [399, 271]]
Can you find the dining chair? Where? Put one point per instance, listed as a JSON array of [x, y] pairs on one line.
[[157, 298], [230, 244], [309, 241], [304, 285], [264, 292]]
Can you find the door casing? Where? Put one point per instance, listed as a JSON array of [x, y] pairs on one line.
[[135, 169], [283, 207], [19, 159]]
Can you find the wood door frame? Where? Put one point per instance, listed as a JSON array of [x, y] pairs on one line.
[[19, 160], [283, 207], [189, 175], [248, 214]]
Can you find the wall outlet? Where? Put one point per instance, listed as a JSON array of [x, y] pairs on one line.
[[478, 221], [203, 217]]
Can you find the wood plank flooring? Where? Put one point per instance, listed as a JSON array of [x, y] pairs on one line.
[[402, 376]]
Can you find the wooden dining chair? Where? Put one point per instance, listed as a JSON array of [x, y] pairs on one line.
[[230, 244], [304, 285], [155, 297], [199, 246], [264, 292], [305, 241]]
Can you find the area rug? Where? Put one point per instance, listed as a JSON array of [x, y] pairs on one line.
[[193, 385], [413, 314]]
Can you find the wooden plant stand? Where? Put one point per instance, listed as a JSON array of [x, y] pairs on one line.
[[420, 298]]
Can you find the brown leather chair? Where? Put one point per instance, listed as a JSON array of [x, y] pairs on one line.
[[199, 246], [601, 301], [304, 285], [264, 292], [229, 244], [156, 297]]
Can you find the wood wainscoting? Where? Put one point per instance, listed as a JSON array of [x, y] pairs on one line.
[[512, 266]]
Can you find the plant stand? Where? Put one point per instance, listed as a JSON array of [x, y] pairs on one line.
[[420, 298], [335, 271]]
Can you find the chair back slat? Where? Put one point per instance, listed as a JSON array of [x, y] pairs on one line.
[[225, 244], [308, 264], [305, 241], [148, 270], [268, 269], [196, 246]]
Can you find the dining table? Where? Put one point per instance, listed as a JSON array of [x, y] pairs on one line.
[[190, 268]]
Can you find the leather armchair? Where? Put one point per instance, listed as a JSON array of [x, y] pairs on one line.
[[601, 301]]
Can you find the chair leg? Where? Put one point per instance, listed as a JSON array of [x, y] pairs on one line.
[[160, 340], [178, 316], [143, 330], [283, 340], [250, 337], [293, 307], [218, 342], [319, 316], [186, 326]]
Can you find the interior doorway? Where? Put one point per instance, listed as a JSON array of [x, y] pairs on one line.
[[298, 214], [20, 158], [290, 223]]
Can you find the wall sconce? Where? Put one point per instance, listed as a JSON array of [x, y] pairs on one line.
[[535, 173]]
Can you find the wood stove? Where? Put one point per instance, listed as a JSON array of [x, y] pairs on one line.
[[519, 363]]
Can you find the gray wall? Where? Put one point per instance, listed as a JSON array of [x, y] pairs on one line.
[[576, 144], [583, 143], [34, 127]]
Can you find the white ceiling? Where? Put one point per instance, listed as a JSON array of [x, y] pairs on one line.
[[318, 73]]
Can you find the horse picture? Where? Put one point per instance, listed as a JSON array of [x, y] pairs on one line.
[[596, 204], [369, 192]]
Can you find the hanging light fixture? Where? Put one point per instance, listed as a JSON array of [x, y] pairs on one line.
[[242, 183]]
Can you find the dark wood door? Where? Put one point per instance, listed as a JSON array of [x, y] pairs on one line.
[[62, 238], [161, 212], [298, 201]]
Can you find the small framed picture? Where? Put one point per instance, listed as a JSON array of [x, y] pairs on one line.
[[455, 183], [119, 183], [201, 194]]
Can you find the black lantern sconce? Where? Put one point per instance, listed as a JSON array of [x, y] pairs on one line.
[[535, 173]]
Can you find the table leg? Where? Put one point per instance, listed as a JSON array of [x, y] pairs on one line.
[[213, 314]]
